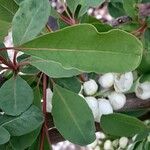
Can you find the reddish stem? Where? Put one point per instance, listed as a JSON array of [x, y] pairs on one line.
[[42, 138], [14, 59], [4, 61], [66, 20]]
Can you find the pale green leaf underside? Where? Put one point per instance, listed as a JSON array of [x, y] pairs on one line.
[[23, 124], [15, 96], [84, 48], [74, 120], [53, 69], [29, 20], [4, 136]]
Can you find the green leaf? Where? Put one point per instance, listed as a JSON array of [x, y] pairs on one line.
[[53, 69], [16, 96], [4, 136], [130, 7], [121, 125], [37, 97], [29, 20], [116, 9], [23, 124], [3, 54], [72, 84], [145, 78], [8, 9], [84, 48], [144, 66], [72, 116], [24, 141], [4, 26]]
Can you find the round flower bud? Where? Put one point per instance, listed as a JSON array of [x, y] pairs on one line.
[[93, 104], [90, 11], [115, 143], [100, 135], [123, 82], [143, 90], [108, 145], [49, 95], [117, 100], [106, 80], [92, 145], [90, 87], [123, 141], [104, 107], [97, 148]]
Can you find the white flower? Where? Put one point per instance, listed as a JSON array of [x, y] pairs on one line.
[[143, 90], [100, 135], [123, 141], [49, 95], [123, 82], [92, 145], [115, 143], [90, 87], [117, 100], [106, 80], [97, 148], [93, 104], [108, 145], [90, 11], [104, 107]]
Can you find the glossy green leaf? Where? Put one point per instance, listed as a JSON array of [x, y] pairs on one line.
[[121, 125], [4, 136], [73, 84], [72, 116], [16, 96], [3, 54], [8, 9], [53, 69], [4, 27], [29, 20], [24, 141], [84, 48], [23, 124], [37, 97]]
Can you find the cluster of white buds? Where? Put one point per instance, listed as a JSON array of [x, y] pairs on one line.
[[103, 142]]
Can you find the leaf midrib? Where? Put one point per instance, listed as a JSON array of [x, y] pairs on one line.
[[67, 108]]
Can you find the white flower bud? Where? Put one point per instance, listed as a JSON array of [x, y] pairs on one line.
[[100, 135], [106, 80], [93, 104], [115, 143], [117, 100], [90, 87], [90, 11], [98, 16], [143, 90], [123, 141], [104, 107], [92, 145], [97, 148], [49, 95], [108, 145], [123, 82]]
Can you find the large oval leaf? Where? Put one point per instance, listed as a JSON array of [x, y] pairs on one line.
[[4, 136], [72, 117], [23, 124], [84, 48], [16, 96], [121, 125], [29, 20]]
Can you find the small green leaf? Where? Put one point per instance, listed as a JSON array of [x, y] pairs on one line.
[[84, 48], [4, 136], [29, 20], [147, 39], [121, 125], [8, 9], [24, 141], [23, 124], [16, 96], [72, 116], [72, 84], [37, 97]]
